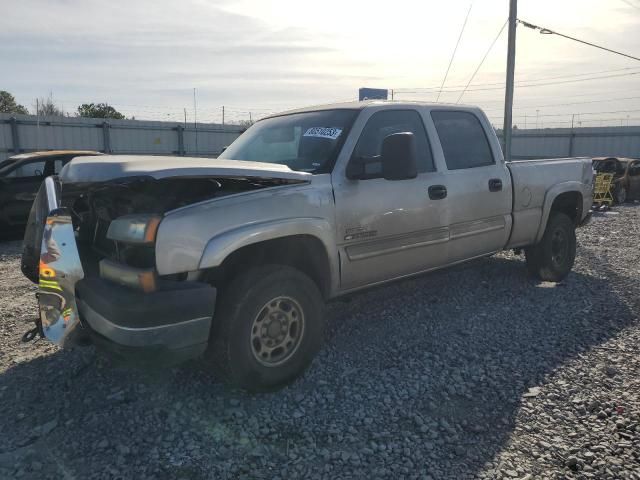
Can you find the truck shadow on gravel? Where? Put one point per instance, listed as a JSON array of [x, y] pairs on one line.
[[425, 376]]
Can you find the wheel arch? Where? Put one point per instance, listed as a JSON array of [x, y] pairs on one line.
[[303, 244], [566, 198]]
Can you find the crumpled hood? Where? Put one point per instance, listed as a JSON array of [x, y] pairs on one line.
[[108, 167]]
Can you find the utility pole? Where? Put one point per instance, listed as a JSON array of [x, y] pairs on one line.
[[185, 117], [223, 115], [251, 120], [37, 123], [195, 118], [511, 66]]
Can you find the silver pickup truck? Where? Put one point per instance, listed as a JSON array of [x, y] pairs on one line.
[[170, 258]]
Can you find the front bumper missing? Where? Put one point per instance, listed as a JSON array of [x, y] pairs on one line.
[[173, 321]]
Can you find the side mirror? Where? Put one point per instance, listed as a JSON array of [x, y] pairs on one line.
[[398, 155]]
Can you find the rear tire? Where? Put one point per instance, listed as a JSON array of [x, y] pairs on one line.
[[268, 326], [552, 259]]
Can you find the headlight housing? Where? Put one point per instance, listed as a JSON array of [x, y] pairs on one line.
[[136, 229]]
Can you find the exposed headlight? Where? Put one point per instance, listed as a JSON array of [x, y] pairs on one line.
[[139, 229]]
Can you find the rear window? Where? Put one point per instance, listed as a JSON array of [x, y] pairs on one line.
[[464, 142]]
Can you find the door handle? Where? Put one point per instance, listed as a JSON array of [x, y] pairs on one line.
[[437, 192], [495, 185]]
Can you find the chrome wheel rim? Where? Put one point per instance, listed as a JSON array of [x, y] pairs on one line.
[[276, 331], [559, 247]]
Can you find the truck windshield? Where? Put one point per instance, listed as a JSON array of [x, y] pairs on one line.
[[307, 142]]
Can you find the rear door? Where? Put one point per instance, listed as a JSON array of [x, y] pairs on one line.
[[18, 189], [388, 229], [478, 185]]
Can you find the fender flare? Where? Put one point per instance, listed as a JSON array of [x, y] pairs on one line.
[[549, 198], [221, 246]]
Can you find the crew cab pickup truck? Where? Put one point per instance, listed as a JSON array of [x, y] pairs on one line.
[[233, 258]]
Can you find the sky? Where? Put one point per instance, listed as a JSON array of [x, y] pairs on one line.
[[145, 57]]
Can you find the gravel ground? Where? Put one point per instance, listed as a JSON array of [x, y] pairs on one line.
[[474, 372]]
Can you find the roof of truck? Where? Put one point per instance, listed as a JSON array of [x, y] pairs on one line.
[[371, 103]]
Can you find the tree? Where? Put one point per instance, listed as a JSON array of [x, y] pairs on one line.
[[99, 110], [8, 104], [245, 124], [46, 107]]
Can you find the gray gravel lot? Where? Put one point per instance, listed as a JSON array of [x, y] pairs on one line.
[[475, 372]]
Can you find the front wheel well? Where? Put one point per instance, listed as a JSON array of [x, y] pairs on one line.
[[305, 253]]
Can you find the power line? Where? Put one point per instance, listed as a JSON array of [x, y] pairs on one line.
[[592, 120], [546, 31], [482, 61], [521, 85], [543, 98], [454, 50], [581, 113], [501, 84], [565, 104]]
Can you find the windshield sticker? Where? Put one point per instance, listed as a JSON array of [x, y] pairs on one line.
[[323, 132]]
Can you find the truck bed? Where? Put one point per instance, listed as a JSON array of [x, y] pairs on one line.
[[533, 182]]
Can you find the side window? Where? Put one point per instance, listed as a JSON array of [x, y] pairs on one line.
[[385, 123], [32, 169], [463, 139]]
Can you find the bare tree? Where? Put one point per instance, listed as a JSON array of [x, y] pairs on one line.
[[48, 108]]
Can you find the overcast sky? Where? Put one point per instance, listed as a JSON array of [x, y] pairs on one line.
[[146, 56]]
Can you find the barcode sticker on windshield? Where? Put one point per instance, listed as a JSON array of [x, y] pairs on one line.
[[323, 132]]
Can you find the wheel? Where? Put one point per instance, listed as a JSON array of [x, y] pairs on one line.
[[551, 260], [268, 326], [620, 194]]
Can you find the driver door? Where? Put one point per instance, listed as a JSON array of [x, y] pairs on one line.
[[389, 228]]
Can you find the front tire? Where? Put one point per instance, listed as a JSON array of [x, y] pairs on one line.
[[552, 259], [268, 327]]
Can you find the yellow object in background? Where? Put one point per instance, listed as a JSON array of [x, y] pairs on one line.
[[602, 189]]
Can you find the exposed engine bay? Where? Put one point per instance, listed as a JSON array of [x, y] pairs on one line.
[[94, 205]]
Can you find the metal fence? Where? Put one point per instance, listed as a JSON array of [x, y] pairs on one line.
[[28, 133], [576, 142]]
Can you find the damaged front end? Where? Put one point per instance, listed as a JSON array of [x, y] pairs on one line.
[[91, 247]]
